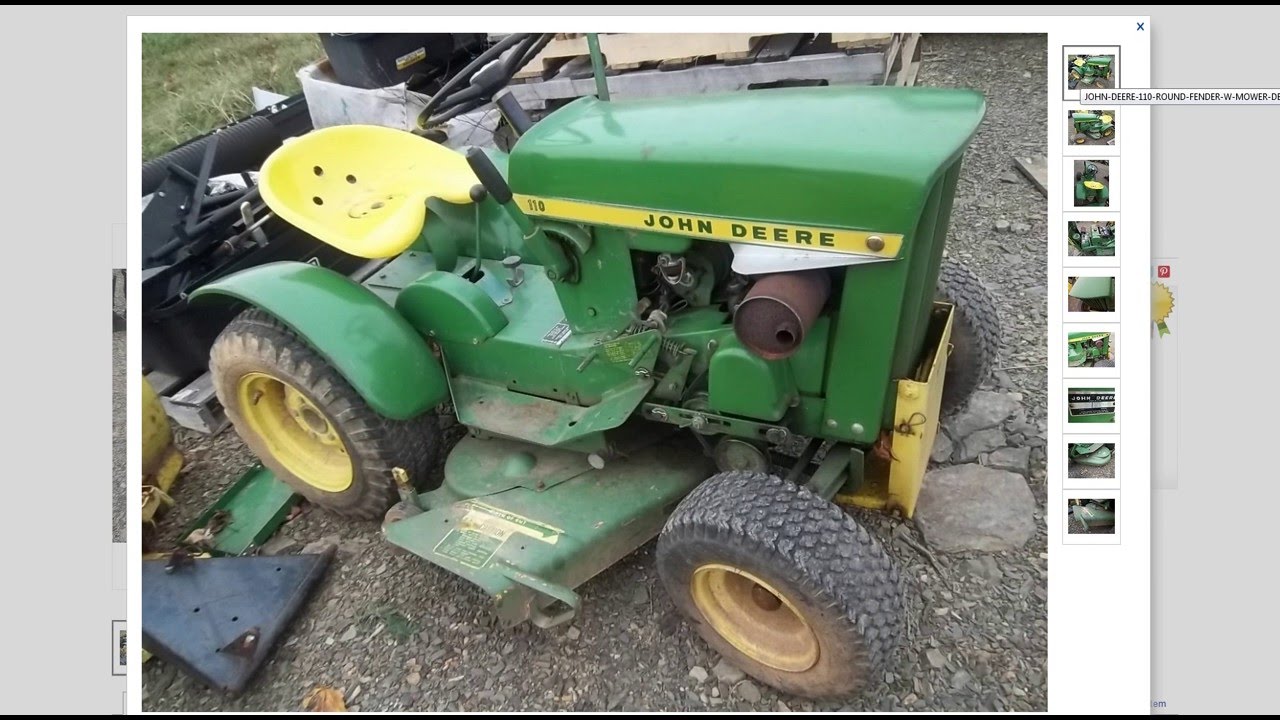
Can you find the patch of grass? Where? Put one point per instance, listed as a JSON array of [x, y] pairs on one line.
[[399, 626], [192, 83]]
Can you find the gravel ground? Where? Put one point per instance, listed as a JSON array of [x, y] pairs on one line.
[[119, 429], [392, 632]]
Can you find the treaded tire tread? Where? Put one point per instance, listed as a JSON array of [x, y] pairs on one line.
[[376, 444], [975, 332], [780, 531]]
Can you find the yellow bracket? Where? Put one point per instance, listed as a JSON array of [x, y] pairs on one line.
[[915, 425]]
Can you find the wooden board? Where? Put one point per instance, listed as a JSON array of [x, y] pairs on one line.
[[904, 67], [555, 54], [629, 51], [834, 68], [908, 61], [633, 48], [1037, 171], [853, 41]]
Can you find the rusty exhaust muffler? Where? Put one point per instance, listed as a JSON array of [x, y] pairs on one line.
[[774, 317]]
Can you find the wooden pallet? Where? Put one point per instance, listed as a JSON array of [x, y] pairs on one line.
[[858, 41], [667, 51], [902, 64], [832, 68]]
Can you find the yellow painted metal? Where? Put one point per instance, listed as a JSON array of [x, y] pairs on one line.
[[915, 425], [363, 188], [709, 227], [1093, 184], [154, 503], [161, 460], [297, 434], [754, 617]]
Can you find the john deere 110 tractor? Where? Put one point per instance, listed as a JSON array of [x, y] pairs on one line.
[[1094, 239], [1090, 191], [702, 319], [1089, 349], [1089, 71], [1089, 125]]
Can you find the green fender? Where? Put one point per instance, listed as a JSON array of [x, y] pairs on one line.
[[368, 342]]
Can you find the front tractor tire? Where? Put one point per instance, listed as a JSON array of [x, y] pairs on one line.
[[308, 425], [783, 584], [975, 332]]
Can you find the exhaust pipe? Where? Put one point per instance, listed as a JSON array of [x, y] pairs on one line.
[[779, 310]]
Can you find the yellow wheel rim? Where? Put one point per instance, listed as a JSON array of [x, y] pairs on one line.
[[297, 434], [754, 617]]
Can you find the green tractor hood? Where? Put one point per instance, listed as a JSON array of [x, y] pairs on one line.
[[853, 157], [1092, 288]]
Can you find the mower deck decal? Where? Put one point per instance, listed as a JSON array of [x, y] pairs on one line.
[[468, 547], [707, 227], [495, 521], [482, 531]]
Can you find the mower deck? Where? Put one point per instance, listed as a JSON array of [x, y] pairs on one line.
[[528, 523], [1096, 454]]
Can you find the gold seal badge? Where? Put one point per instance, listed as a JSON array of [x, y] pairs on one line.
[[1161, 306]]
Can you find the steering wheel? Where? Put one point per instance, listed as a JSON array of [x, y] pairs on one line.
[[481, 79]]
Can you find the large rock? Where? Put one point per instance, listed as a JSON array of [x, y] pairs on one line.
[[986, 409], [1011, 459], [983, 441], [942, 448], [971, 507]]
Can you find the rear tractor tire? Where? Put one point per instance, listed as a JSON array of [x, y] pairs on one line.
[[783, 584], [308, 425], [975, 332]]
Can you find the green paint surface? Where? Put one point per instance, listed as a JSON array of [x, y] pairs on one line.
[[373, 347]]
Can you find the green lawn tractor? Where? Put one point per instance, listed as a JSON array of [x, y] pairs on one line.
[[1095, 454], [1092, 294], [635, 314], [1089, 71], [1089, 349], [1099, 240], [1090, 191], [1091, 405], [1091, 126]]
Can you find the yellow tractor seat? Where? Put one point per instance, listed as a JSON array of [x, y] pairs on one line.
[[362, 188], [1093, 184]]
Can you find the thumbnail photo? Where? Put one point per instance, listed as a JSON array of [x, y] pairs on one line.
[[1091, 460], [119, 426], [1091, 293], [1091, 127], [1091, 517], [119, 647], [463, 344], [1093, 183], [1090, 348], [1092, 68], [1091, 238], [1091, 405]]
